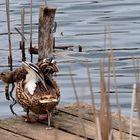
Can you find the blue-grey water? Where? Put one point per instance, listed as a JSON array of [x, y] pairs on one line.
[[83, 23]]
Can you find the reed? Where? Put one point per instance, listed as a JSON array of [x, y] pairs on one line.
[[102, 105], [102, 118], [105, 109], [107, 92], [80, 114], [137, 81], [98, 127], [22, 44], [31, 30], [108, 109], [131, 112], [96, 114], [10, 60], [115, 80], [108, 96], [22, 27], [45, 2], [20, 33]]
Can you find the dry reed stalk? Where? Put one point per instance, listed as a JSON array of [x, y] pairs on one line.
[[98, 127], [137, 78], [115, 81], [135, 69], [107, 96], [80, 114], [20, 33], [10, 60], [105, 111], [22, 26], [102, 104], [138, 73], [91, 90], [138, 93], [111, 137], [105, 41], [138, 102], [31, 30], [131, 113], [22, 45], [45, 2]]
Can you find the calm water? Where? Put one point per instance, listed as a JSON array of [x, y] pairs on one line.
[[82, 23]]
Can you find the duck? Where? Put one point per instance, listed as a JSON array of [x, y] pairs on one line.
[[7, 78], [10, 77], [38, 92], [48, 67]]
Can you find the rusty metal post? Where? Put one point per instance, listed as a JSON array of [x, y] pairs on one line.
[[45, 35]]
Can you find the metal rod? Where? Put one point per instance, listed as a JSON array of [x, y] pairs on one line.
[[9, 35]]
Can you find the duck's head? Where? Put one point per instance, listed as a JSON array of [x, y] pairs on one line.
[[52, 64]]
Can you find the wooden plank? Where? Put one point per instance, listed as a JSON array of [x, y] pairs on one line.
[[34, 50], [7, 135], [86, 111], [35, 131], [67, 125], [75, 125]]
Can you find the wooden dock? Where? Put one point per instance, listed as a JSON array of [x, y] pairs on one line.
[[67, 125]]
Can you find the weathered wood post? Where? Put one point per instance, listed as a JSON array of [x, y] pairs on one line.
[[45, 38]]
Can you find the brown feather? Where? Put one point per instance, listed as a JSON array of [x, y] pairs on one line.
[[32, 102]]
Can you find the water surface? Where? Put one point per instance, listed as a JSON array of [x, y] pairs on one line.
[[82, 23]]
